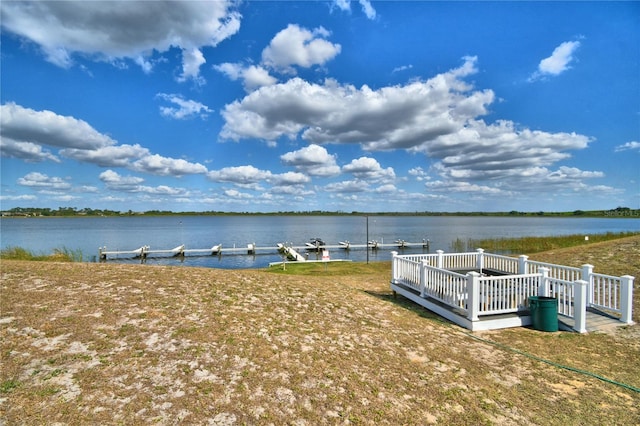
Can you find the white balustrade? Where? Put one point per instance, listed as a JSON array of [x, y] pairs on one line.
[[432, 276]]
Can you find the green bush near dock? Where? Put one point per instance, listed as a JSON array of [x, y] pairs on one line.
[[58, 255], [536, 244]]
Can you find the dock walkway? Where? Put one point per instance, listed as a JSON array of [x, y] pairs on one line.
[[292, 251]]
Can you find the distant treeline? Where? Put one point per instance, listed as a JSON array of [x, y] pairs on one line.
[[620, 212]]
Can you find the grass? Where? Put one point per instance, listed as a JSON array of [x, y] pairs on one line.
[[535, 244], [59, 255], [331, 268], [93, 343]]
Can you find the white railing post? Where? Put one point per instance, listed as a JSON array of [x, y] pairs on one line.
[[394, 266], [587, 270], [440, 254], [423, 278], [626, 298], [480, 260], [473, 295], [522, 264], [580, 306], [543, 285]]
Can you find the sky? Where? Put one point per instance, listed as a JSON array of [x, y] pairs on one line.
[[268, 106]]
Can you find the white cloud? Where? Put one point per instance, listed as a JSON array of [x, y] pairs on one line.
[[192, 59], [117, 182], [116, 30], [18, 198], [313, 160], [367, 8], [348, 186], [165, 166], [232, 193], [22, 125], [253, 76], [24, 130], [185, 108], [629, 146], [368, 168], [465, 187], [419, 173], [241, 175], [108, 156], [499, 150], [40, 180], [402, 68], [388, 118], [291, 178], [559, 60], [387, 189], [299, 46], [27, 151], [132, 184]]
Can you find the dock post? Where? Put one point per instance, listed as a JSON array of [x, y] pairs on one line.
[[102, 255]]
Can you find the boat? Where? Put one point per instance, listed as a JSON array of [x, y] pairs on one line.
[[314, 244]]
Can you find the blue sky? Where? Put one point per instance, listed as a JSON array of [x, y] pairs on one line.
[[337, 106]]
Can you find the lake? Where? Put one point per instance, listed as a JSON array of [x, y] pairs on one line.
[[87, 234]]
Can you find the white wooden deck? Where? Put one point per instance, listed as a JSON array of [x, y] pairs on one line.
[[482, 291]]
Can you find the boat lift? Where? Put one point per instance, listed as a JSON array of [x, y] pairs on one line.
[[291, 251]]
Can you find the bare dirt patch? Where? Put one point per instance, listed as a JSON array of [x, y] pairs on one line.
[[124, 344]]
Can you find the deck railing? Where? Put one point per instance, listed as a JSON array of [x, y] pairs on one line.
[[567, 273], [446, 286], [507, 293], [500, 263], [435, 276]]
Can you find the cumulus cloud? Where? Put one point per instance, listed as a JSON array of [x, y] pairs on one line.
[[290, 178], [313, 160], [629, 146], [133, 184], [252, 76], [24, 131], [165, 166], [27, 151], [42, 181], [499, 150], [348, 186], [24, 125], [184, 108], [299, 46], [559, 60], [117, 182], [465, 187], [388, 118], [108, 156], [117, 30], [250, 177], [369, 169], [439, 117]]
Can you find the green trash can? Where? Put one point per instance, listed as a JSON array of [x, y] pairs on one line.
[[544, 313]]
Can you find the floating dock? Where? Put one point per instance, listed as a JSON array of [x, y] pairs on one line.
[[293, 253]]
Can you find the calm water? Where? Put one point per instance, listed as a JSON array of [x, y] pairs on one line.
[[42, 235]]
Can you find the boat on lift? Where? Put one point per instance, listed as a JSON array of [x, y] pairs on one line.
[[315, 244]]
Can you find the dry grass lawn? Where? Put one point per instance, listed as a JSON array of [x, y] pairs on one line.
[[135, 344]]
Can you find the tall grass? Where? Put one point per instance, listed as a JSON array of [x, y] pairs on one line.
[[537, 244], [58, 255]]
